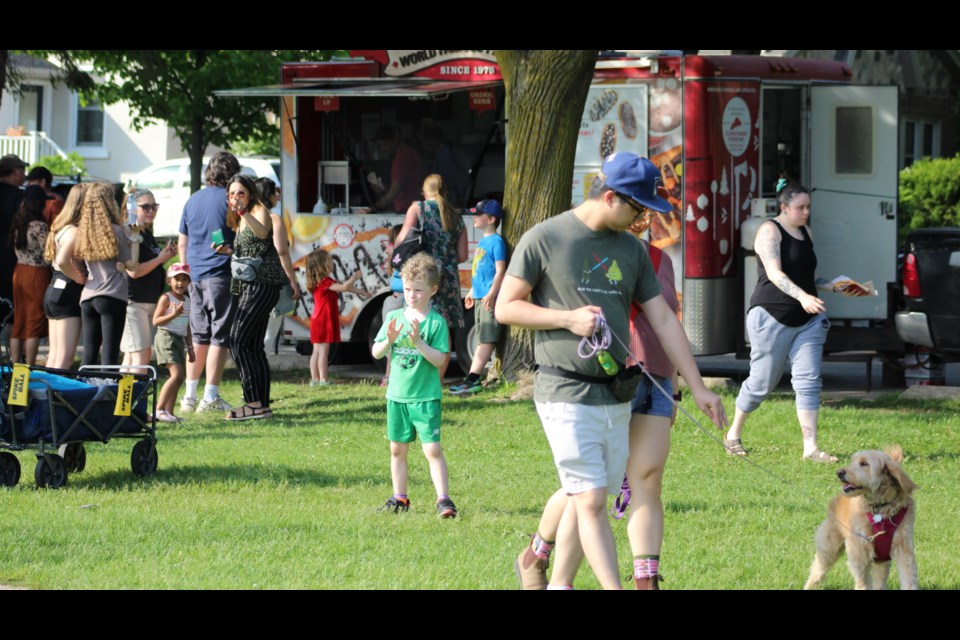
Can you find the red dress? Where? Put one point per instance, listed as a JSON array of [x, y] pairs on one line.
[[325, 319]]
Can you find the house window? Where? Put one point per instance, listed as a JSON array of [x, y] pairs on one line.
[[89, 124], [920, 139], [31, 107]]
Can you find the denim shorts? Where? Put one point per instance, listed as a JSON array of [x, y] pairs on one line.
[[650, 401]]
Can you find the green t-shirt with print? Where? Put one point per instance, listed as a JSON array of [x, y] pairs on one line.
[[570, 266], [412, 377]]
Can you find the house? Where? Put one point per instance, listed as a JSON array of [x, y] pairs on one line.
[[47, 118]]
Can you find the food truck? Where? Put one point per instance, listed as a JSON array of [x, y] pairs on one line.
[[722, 130]]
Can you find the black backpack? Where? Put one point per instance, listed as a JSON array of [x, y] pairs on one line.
[[414, 243]]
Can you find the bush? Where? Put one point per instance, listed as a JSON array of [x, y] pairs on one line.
[[930, 194], [72, 165]]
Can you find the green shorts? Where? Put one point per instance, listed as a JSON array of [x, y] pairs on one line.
[[404, 417], [485, 325], [170, 348]]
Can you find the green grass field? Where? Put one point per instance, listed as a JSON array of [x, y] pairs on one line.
[[292, 502]]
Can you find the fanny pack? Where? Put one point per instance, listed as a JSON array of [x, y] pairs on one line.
[[623, 385], [245, 268]]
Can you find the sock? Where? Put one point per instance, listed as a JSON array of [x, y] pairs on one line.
[[471, 378], [443, 497], [400, 496], [541, 548], [211, 392], [191, 391], [559, 587], [646, 566]]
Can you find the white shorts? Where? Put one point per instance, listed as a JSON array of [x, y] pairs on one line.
[[590, 444], [138, 331]]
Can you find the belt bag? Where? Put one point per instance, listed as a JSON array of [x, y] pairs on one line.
[[245, 268], [623, 385]]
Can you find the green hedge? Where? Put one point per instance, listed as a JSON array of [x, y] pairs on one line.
[[930, 194]]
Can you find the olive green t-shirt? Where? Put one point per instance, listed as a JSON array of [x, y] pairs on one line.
[[412, 377], [570, 266]]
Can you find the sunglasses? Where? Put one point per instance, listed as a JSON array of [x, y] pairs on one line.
[[149, 207], [641, 211]]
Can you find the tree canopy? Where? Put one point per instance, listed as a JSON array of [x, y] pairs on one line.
[[177, 87]]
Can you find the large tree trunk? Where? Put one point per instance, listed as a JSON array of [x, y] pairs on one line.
[[4, 57], [195, 150], [546, 91]]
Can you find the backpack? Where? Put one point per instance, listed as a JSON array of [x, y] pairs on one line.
[[414, 243]]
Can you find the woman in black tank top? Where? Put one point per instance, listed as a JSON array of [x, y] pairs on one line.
[[786, 322]]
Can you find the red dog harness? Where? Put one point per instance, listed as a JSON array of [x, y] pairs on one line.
[[882, 543]]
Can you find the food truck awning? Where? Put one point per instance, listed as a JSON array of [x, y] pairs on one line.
[[423, 88]]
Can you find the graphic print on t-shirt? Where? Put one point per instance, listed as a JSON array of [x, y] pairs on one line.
[[595, 270], [405, 355]]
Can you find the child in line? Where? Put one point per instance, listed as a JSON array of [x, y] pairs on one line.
[[418, 341], [173, 344], [489, 267], [325, 319]]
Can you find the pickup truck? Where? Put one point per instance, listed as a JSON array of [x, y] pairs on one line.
[[931, 291]]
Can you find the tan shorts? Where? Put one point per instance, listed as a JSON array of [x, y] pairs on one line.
[[138, 331], [170, 348]]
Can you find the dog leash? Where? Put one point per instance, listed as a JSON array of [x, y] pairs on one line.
[[710, 435]]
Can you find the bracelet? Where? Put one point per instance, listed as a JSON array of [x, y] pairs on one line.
[[678, 396]]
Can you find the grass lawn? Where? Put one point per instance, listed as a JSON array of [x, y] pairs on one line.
[[291, 502]]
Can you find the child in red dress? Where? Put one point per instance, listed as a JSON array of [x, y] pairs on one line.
[[325, 319]]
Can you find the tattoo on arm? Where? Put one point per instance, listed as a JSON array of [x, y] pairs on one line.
[[767, 246]]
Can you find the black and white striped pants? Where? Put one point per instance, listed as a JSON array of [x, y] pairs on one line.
[[246, 340]]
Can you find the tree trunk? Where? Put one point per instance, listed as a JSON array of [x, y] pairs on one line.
[[546, 91], [195, 150], [4, 57]]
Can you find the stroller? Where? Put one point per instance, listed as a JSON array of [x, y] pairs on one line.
[[57, 411]]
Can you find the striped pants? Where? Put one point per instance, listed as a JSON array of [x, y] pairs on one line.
[[246, 340]]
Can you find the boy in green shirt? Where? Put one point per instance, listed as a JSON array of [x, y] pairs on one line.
[[417, 339]]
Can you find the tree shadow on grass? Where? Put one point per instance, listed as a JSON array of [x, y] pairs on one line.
[[234, 474]]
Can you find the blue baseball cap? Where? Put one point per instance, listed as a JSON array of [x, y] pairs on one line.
[[635, 177], [489, 207]]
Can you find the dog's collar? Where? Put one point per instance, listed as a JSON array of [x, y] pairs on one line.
[[882, 543]]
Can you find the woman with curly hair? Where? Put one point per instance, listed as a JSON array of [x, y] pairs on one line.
[[28, 235], [102, 242], [61, 302]]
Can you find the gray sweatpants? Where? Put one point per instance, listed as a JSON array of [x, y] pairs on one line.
[[772, 345]]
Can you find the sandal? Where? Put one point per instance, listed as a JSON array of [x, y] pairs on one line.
[[734, 447], [246, 412], [821, 456]]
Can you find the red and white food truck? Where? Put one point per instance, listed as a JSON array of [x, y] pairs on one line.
[[721, 128]]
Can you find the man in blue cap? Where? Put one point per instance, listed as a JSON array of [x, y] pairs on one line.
[[572, 279]]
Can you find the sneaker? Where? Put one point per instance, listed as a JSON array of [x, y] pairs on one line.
[[188, 405], [396, 505], [320, 383], [217, 405], [531, 571], [619, 508], [446, 508], [467, 388]]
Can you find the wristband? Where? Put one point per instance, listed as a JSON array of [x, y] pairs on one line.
[[678, 396]]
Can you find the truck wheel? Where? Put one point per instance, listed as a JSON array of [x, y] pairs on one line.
[[465, 342]]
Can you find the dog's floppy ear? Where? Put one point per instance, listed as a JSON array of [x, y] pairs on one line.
[[896, 452], [900, 476]]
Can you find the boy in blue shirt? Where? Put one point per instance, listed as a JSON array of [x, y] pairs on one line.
[[489, 267], [417, 339]]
